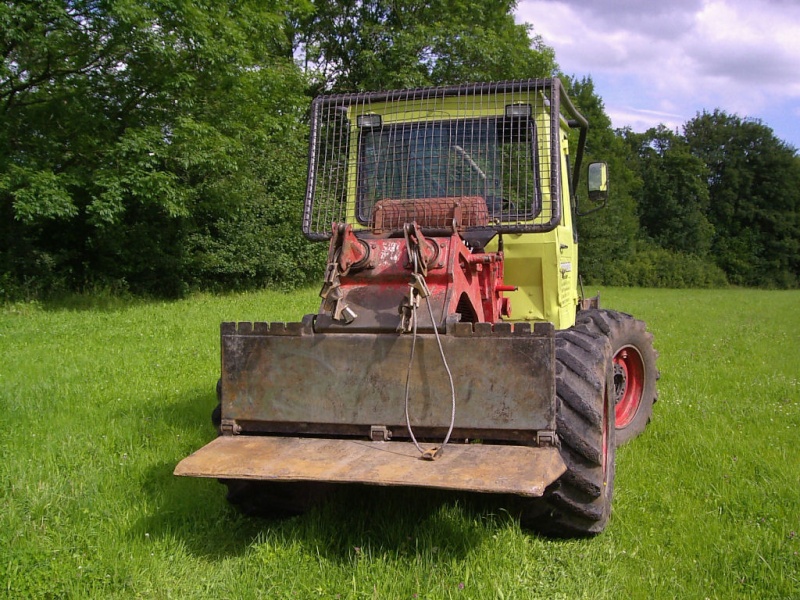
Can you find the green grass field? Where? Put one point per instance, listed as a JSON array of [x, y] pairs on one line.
[[101, 398]]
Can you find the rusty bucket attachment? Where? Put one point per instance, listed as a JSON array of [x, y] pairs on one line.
[[302, 405], [525, 471]]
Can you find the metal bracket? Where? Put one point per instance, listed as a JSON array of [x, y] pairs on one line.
[[547, 438], [421, 253], [346, 252], [379, 433], [230, 427], [587, 303]]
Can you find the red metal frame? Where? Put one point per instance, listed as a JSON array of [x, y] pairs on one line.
[[377, 269]]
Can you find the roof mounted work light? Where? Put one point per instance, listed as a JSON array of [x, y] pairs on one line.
[[369, 121], [518, 110]]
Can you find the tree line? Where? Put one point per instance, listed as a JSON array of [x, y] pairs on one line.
[[159, 146]]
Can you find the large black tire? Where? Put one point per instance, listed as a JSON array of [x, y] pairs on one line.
[[634, 364], [579, 503]]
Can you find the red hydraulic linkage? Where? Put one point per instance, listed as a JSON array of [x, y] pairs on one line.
[[370, 273], [345, 252]]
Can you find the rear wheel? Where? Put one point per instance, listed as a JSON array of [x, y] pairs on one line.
[[635, 372], [579, 503]]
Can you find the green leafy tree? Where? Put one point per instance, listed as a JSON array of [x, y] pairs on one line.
[[754, 187], [133, 132], [356, 45], [608, 236], [673, 200], [653, 231], [155, 144]]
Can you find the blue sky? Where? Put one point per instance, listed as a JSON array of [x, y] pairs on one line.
[[663, 61]]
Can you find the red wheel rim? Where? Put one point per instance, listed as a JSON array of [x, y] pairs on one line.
[[628, 384], [605, 439]]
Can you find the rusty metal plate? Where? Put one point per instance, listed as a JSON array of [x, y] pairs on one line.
[[276, 373], [520, 470]]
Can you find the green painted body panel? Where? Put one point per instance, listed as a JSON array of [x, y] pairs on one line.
[[543, 266]]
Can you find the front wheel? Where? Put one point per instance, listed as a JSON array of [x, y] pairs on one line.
[[634, 368], [579, 503]]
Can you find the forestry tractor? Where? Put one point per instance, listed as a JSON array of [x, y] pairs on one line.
[[453, 347]]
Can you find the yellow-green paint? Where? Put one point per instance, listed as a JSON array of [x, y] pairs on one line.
[[445, 109], [543, 266]]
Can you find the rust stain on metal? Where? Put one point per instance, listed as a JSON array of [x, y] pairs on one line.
[[520, 470], [359, 379]]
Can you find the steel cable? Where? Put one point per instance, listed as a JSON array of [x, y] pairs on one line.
[[434, 452]]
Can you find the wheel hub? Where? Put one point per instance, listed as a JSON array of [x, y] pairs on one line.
[[628, 385], [620, 381]]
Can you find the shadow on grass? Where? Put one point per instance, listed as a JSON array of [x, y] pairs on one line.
[[395, 522], [352, 519], [192, 511], [102, 302], [391, 522]]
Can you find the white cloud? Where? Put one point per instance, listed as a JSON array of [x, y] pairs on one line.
[[665, 61]]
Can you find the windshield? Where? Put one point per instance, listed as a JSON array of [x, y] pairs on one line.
[[492, 158]]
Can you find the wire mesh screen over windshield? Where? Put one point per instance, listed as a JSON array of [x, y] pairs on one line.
[[491, 158], [481, 154]]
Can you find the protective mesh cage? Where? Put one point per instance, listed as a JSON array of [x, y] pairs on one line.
[[485, 155]]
